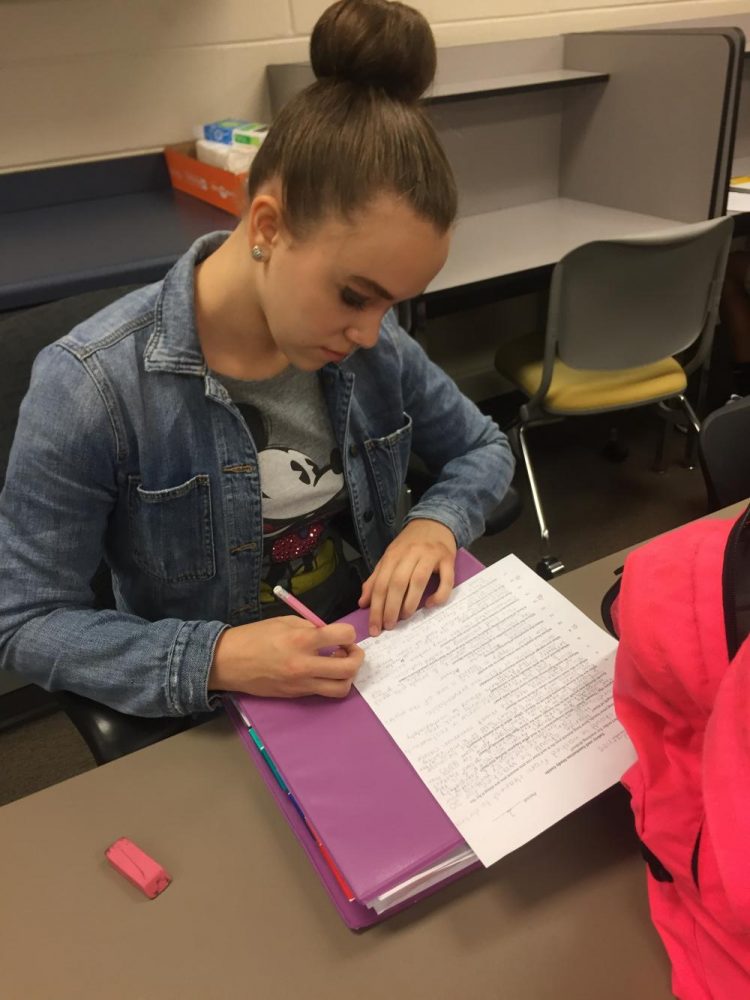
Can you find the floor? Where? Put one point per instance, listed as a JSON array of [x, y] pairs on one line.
[[594, 506]]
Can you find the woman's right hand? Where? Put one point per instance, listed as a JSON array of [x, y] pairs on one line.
[[280, 658]]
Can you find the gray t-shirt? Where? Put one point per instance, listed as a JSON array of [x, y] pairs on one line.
[[302, 487]]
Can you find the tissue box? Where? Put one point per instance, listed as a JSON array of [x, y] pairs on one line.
[[226, 156], [202, 180], [222, 131], [250, 135]]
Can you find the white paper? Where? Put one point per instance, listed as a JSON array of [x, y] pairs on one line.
[[502, 702], [738, 201], [454, 863]]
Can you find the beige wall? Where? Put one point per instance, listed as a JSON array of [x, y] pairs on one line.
[[90, 78]]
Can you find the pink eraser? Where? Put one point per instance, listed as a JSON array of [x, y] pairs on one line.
[[140, 869]]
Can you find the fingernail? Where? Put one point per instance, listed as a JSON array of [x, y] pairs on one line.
[[374, 630]]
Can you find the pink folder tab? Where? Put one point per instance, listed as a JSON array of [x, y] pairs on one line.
[[370, 808]]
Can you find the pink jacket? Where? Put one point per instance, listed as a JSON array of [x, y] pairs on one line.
[[686, 706]]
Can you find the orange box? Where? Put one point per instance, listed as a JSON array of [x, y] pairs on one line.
[[202, 180]]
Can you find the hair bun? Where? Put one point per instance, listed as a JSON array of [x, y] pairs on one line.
[[375, 43]]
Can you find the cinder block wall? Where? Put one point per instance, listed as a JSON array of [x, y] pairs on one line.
[[84, 79]]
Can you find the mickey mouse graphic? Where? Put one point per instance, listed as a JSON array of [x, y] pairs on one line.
[[299, 497]]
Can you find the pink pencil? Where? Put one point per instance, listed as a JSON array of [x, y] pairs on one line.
[[296, 605]]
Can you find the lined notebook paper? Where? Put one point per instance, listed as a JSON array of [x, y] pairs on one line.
[[502, 702]]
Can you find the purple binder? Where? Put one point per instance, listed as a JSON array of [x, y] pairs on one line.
[[371, 810]]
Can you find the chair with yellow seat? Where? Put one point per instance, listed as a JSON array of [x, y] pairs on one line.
[[620, 312]]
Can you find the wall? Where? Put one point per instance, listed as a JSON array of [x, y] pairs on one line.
[[84, 79]]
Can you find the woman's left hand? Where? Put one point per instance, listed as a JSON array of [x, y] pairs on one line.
[[395, 587]]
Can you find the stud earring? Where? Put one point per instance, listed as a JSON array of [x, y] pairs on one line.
[[257, 253]]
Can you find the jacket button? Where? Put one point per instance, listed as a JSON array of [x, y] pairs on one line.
[[368, 516], [353, 450]]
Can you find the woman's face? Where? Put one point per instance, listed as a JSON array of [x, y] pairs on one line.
[[326, 295]]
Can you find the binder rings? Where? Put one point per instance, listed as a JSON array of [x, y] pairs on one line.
[[360, 811]]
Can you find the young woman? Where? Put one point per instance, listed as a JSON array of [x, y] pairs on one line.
[[234, 425]]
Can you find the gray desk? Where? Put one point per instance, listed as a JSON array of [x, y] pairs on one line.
[[564, 918], [88, 226], [513, 240], [740, 154]]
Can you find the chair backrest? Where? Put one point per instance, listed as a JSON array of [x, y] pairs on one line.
[[724, 448], [621, 303], [20, 342], [23, 334], [107, 733]]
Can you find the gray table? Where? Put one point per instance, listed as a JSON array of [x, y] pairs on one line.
[[564, 917], [515, 240]]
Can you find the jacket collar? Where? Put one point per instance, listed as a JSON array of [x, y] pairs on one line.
[[174, 344]]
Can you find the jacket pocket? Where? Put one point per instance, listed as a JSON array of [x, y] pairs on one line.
[[172, 530], [694, 858], [388, 458]]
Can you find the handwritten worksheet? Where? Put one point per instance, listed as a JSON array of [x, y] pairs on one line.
[[501, 699]]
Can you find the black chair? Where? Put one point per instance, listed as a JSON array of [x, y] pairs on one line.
[[503, 515], [110, 734], [724, 450], [412, 318], [107, 733]]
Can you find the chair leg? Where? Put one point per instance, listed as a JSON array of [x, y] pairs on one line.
[[549, 565], [704, 375], [660, 464], [694, 429], [615, 450]]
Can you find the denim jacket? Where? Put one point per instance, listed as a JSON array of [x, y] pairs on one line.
[[128, 449]]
